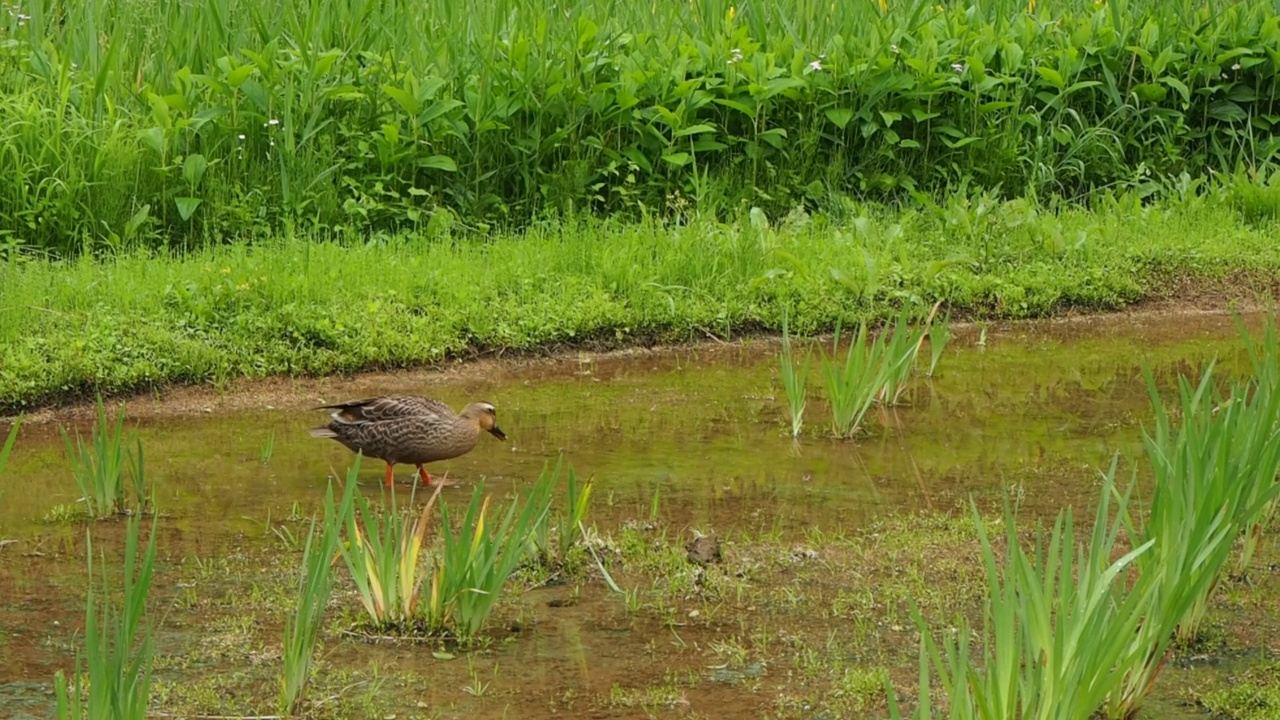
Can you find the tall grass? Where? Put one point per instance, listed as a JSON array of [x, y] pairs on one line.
[[302, 626], [118, 645], [99, 467], [357, 116], [1059, 625]]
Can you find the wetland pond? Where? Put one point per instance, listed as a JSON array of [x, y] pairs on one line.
[[823, 541]]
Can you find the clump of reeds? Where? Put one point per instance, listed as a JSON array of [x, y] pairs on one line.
[[1215, 477], [568, 522], [1066, 641], [1265, 363], [100, 467], [477, 559], [302, 626], [382, 551], [852, 387], [469, 567], [1058, 628], [794, 376], [118, 646]]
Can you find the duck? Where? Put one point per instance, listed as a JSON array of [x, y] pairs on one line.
[[408, 429]]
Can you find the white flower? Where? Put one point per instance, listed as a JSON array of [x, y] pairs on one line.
[[959, 67], [735, 55], [242, 136], [273, 121], [893, 49], [1236, 66], [816, 66]]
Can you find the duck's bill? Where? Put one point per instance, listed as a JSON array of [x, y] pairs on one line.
[[497, 432]]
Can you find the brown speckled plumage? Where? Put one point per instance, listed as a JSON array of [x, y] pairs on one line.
[[408, 429]]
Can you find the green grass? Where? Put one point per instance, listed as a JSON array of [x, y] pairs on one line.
[[1250, 694], [297, 307], [361, 116], [118, 646]]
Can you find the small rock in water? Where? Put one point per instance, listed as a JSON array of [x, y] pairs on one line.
[[704, 550]]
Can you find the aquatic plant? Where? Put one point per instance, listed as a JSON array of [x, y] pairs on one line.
[[852, 387], [900, 350], [302, 626], [1213, 478], [383, 555], [9, 441], [99, 468], [568, 522], [1265, 361], [794, 377], [478, 557], [268, 448], [939, 335], [8, 447], [1058, 625], [118, 646]]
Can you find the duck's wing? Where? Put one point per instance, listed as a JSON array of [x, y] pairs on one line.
[[388, 407]]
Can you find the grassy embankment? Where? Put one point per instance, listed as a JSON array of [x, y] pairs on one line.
[[389, 140], [141, 319]]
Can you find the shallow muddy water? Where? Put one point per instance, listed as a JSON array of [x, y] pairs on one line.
[[1039, 408]]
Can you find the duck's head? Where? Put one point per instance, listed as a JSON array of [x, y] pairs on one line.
[[486, 417]]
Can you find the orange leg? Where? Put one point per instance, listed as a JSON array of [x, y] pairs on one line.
[[388, 474], [426, 476]]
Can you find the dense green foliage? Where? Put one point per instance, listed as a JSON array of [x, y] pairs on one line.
[[140, 319], [184, 122]]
